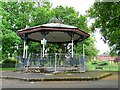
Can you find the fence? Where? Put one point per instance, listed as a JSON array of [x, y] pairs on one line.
[[54, 62]]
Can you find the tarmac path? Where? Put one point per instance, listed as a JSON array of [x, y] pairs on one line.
[[108, 82]]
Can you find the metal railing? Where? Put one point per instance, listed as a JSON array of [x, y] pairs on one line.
[[54, 62]]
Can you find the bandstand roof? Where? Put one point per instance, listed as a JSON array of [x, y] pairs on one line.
[[56, 33]]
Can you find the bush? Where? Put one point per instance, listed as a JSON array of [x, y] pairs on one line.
[[8, 63], [103, 63], [95, 62], [99, 67]]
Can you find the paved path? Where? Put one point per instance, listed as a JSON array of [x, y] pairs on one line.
[[109, 82], [38, 75]]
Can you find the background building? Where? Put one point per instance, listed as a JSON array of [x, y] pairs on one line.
[[106, 57]]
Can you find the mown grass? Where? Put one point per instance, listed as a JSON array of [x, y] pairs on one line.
[[7, 69], [109, 67]]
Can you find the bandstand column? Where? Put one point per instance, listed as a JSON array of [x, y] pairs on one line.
[[43, 42], [83, 51], [43, 47], [26, 51], [72, 47], [24, 48]]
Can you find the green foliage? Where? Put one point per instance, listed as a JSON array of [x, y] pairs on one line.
[[7, 69], [107, 18], [100, 63], [40, 15], [32, 47], [94, 62], [8, 42], [68, 15], [8, 63], [89, 47], [103, 65], [16, 16]]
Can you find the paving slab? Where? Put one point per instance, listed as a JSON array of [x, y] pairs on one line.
[[18, 74]]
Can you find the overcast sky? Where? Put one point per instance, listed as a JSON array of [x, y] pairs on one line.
[[81, 6]]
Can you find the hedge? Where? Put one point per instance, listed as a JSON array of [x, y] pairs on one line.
[[8, 63]]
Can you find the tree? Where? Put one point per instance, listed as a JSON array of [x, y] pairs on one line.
[[16, 16], [89, 48], [9, 38], [13, 19], [69, 16], [107, 19]]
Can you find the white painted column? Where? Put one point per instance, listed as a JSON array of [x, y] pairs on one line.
[[24, 49], [55, 61], [83, 57], [41, 53], [43, 48], [72, 47], [83, 51]]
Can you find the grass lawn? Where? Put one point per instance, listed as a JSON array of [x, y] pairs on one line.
[[7, 68], [109, 67]]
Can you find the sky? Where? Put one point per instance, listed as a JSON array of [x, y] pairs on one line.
[[81, 6]]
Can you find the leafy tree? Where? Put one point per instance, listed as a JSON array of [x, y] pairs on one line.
[[16, 16], [107, 19], [69, 16], [89, 48], [8, 38], [41, 14], [32, 47]]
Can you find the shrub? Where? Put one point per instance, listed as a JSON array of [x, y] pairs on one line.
[[103, 63], [99, 67], [8, 63], [95, 62], [117, 60]]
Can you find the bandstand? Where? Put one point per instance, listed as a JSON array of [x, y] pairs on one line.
[[53, 33]]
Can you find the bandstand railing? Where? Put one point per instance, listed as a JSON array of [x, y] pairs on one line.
[[53, 62]]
